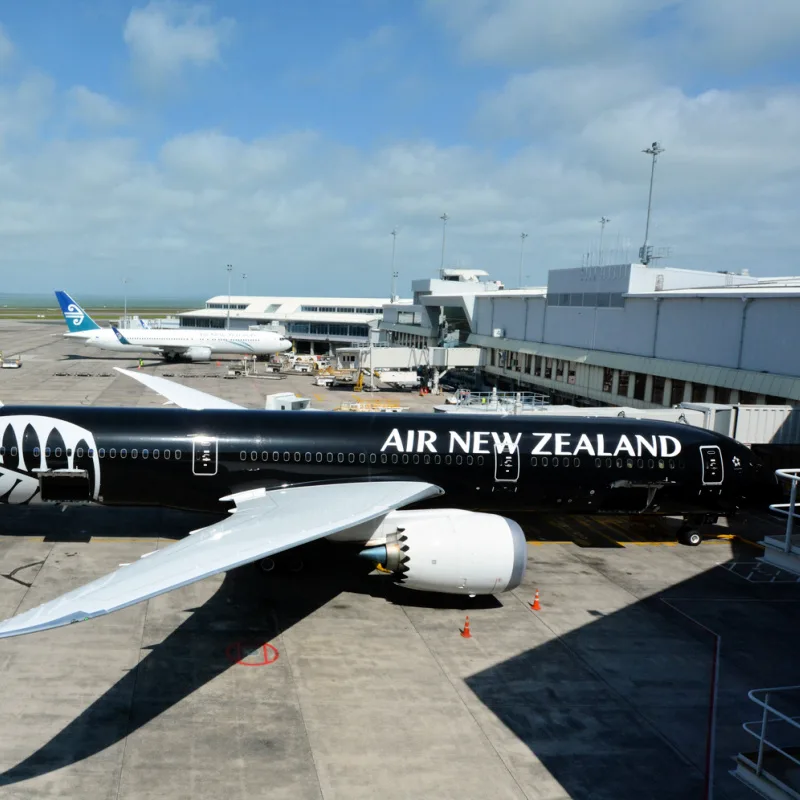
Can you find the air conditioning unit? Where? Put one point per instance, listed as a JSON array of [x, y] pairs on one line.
[[499, 333]]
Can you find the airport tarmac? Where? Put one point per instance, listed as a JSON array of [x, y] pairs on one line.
[[335, 684]]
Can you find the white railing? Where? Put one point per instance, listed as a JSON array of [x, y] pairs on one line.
[[512, 402], [788, 509], [758, 729]]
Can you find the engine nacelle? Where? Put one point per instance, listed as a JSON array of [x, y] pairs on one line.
[[196, 353], [453, 551]]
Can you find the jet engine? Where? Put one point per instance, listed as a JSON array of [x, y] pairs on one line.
[[452, 551], [196, 353]]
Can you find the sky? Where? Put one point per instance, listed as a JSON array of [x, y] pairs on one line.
[[161, 142]]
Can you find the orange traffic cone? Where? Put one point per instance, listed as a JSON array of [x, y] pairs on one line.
[[465, 633], [535, 604]]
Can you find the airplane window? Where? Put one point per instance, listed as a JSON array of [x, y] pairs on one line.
[[405, 458], [544, 462], [437, 459], [650, 463], [415, 458], [177, 454], [102, 452], [319, 458], [155, 454], [576, 462], [470, 460], [276, 456], [459, 459], [608, 463], [329, 458], [308, 456], [351, 457], [681, 463], [297, 456], [534, 461], [383, 458], [394, 458], [566, 462], [112, 453], [629, 463], [372, 458], [426, 459], [242, 454], [672, 463], [340, 458], [640, 463], [362, 458], [78, 452], [555, 462], [47, 452], [598, 462], [286, 455], [253, 455], [123, 453], [480, 461], [134, 453], [661, 463], [448, 459], [58, 452], [145, 453], [619, 463], [36, 452], [69, 452], [166, 454], [13, 451]]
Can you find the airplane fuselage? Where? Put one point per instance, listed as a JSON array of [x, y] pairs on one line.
[[190, 459], [208, 343]]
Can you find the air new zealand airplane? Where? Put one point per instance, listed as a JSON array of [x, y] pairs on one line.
[[429, 497]]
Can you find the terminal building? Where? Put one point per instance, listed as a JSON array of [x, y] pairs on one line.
[[316, 325], [623, 335]]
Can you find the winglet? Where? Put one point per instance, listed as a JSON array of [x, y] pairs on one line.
[[119, 335], [78, 321]]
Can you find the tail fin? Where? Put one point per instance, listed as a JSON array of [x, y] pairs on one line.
[[75, 317], [119, 335]]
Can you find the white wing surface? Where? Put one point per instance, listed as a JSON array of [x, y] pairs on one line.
[[182, 396], [263, 523]]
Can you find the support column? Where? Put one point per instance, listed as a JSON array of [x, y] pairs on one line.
[[614, 382], [648, 389], [668, 392]]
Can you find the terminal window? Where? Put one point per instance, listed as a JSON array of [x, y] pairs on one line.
[[658, 389]]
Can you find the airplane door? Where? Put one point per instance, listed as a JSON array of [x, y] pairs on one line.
[[204, 455], [506, 464], [713, 472]]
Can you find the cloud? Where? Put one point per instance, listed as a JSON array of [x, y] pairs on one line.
[[164, 37], [6, 47], [521, 32], [93, 109], [25, 106]]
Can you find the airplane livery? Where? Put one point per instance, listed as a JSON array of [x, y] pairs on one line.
[[431, 497]]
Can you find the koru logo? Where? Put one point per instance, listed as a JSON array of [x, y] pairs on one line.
[[30, 443], [74, 314]]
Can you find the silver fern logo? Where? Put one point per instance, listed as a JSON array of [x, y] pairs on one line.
[[30, 444], [74, 314]]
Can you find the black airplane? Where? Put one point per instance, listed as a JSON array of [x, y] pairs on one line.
[[429, 497]]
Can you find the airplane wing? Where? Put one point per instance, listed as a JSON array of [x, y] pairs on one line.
[[262, 524], [181, 396]]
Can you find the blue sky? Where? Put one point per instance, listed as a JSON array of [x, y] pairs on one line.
[[165, 139]]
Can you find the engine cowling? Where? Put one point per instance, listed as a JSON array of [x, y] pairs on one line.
[[453, 551], [196, 353]]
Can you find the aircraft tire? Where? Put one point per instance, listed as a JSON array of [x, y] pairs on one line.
[[690, 537]]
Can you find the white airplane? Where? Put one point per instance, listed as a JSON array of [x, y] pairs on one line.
[[181, 344]]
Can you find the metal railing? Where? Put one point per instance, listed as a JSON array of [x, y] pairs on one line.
[[761, 732], [511, 402], [788, 509]]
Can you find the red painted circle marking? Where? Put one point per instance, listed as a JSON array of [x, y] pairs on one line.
[[264, 654]]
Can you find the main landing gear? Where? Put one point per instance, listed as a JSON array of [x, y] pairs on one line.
[[689, 532]]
